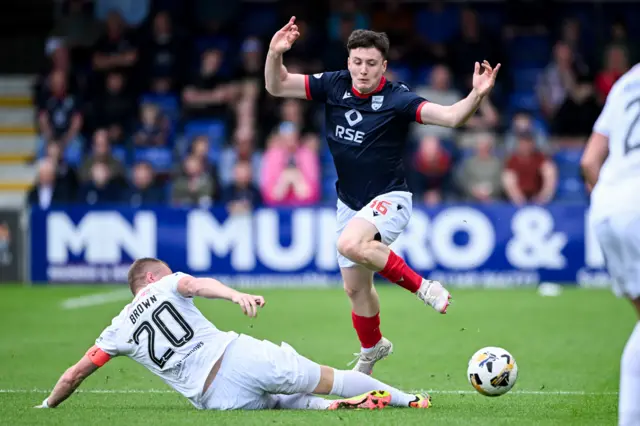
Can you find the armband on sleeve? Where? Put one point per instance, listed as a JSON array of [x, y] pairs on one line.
[[98, 356]]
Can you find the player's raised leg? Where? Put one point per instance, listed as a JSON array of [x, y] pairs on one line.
[[359, 242]]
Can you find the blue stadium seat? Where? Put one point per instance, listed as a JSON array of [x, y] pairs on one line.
[[525, 79], [571, 190], [168, 104], [121, 154], [160, 158], [421, 76], [214, 129], [529, 51], [524, 101], [260, 20]]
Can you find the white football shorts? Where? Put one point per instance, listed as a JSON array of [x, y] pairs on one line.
[[619, 238], [254, 371], [389, 213]]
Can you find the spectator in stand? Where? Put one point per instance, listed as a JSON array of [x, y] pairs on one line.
[[522, 122], [143, 190], [620, 38], [574, 119], [46, 191], [306, 51], [60, 118], [616, 63], [242, 195], [250, 108], [290, 170], [115, 108], [101, 188], [437, 25], [471, 43], [153, 129], [209, 94], [66, 176], [335, 53], [295, 111], [201, 149], [194, 187], [439, 91], [57, 60], [163, 56], [557, 79], [115, 50], [480, 177], [396, 20], [340, 8], [431, 169], [242, 150], [101, 153], [77, 27], [529, 175], [571, 35]]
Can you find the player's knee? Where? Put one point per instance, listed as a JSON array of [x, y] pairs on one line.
[[352, 292], [350, 248], [357, 291]]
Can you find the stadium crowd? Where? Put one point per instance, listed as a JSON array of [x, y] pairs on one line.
[[163, 102]]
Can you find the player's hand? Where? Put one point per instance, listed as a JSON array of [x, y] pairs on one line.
[[284, 39], [483, 83], [249, 303]]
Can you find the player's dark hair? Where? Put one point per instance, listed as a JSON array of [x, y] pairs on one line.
[[138, 270], [367, 39]]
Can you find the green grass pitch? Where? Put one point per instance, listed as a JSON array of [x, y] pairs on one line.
[[567, 348]]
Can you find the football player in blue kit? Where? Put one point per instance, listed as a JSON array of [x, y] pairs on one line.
[[367, 120]]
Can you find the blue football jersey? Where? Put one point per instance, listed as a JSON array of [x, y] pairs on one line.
[[367, 134]]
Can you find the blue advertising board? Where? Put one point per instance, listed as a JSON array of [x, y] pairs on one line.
[[493, 245]]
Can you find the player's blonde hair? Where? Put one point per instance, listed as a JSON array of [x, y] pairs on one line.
[[138, 270]]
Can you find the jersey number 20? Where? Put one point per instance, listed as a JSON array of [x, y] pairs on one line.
[[164, 329]]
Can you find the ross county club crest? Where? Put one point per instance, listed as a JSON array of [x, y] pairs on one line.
[[376, 102]]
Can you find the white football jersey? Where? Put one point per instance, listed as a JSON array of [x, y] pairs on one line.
[[166, 333], [618, 186]]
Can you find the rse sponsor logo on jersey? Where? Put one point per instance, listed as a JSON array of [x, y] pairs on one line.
[[349, 134]]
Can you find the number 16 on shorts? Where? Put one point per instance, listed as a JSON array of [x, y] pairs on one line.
[[380, 207]]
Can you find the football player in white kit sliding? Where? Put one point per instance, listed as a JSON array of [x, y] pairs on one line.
[[164, 331], [611, 165]]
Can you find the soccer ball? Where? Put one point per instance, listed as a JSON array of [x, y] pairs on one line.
[[492, 371]]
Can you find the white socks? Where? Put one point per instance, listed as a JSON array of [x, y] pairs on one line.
[[301, 401], [348, 383], [629, 398]]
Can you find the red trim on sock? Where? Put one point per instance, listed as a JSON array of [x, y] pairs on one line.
[[368, 329], [398, 272]]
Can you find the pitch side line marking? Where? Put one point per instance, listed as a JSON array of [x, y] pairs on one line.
[[435, 392], [97, 299]]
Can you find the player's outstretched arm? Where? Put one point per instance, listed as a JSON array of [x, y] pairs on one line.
[[278, 81], [456, 115], [594, 155], [69, 381], [213, 289]]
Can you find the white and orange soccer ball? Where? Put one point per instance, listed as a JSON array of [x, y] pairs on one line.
[[492, 371]]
